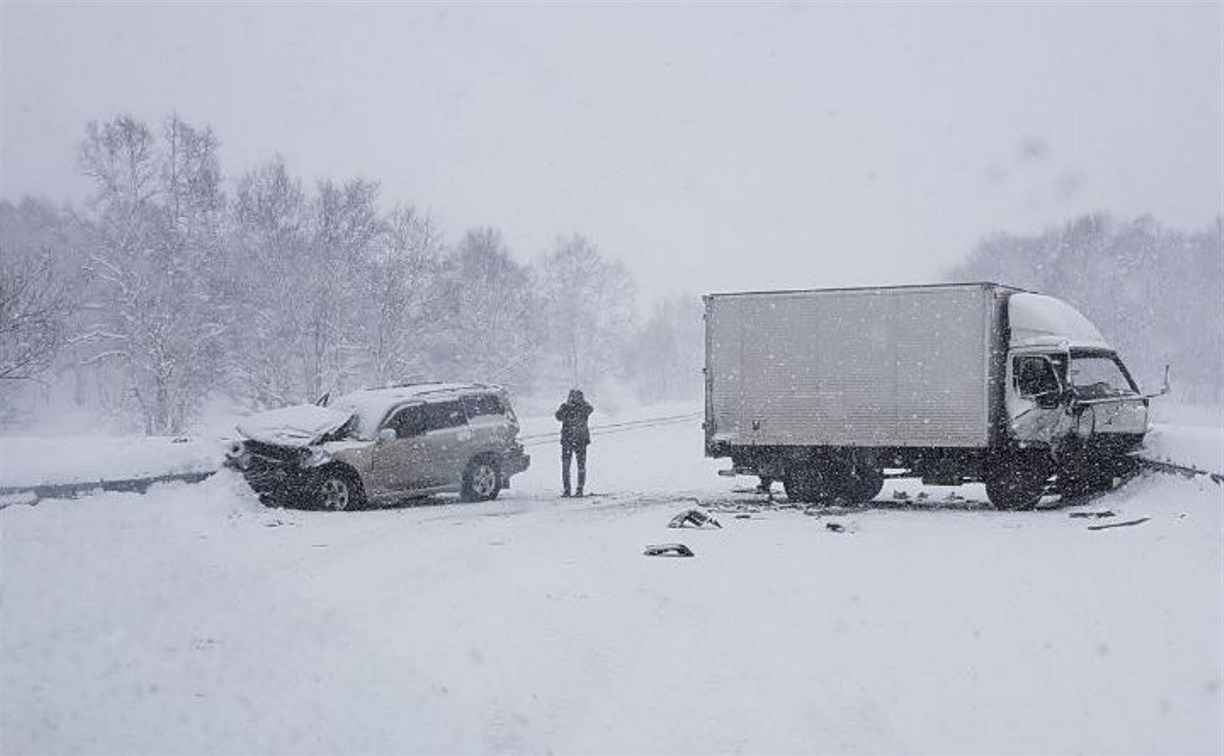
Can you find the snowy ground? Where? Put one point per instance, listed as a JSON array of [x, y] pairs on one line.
[[193, 620]]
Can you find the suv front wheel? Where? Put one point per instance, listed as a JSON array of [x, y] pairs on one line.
[[481, 480], [334, 489]]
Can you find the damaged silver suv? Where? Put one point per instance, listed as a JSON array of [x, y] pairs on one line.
[[382, 445]]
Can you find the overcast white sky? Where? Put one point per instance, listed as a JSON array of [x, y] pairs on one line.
[[710, 147]]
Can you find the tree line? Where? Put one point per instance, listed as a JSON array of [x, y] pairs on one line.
[[166, 289], [1154, 292], [172, 286]]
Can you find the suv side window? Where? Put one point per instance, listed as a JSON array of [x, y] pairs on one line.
[[409, 421], [482, 404], [447, 414]]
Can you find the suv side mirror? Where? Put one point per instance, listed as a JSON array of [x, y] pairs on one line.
[[387, 434]]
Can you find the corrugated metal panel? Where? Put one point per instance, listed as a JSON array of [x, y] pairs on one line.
[[852, 367]]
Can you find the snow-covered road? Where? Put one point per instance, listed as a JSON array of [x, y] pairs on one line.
[[193, 620]]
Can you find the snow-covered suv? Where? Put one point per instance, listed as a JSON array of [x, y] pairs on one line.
[[377, 445]]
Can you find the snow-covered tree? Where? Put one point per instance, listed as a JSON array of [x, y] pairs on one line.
[[1154, 292], [33, 309], [269, 250], [344, 227], [403, 296], [153, 250], [590, 306], [489, 313], [667, 355]]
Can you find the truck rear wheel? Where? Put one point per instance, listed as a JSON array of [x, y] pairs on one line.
[[813, 484], [864, 484]]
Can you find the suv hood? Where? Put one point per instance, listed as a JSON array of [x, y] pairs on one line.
[[295, 426]]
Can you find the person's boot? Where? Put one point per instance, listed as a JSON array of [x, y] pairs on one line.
[[578, 492], [566, 493]]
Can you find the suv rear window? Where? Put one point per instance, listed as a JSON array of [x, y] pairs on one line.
[[483, 404]]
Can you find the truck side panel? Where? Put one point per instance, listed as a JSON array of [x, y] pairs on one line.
[[854, 367]]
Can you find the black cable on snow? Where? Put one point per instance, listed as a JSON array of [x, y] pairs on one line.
[[538, 439]]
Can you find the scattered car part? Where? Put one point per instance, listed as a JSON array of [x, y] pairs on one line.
[[1126, 524], [668, 549], [693, 518]]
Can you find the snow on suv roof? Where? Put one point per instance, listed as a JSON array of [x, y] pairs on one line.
[[372, 404]]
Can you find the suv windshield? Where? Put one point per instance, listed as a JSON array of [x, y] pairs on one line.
[[1096, 376]]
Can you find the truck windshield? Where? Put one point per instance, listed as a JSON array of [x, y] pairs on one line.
[[1097, 376]]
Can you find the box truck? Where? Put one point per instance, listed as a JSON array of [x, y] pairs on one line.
[[831, 391]]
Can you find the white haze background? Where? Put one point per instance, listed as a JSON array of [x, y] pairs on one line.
[[706, 147], [709, 146]]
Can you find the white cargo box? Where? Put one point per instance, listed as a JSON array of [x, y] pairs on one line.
[[895, 367]]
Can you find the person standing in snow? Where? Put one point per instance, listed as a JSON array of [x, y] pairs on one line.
[[575, 435]]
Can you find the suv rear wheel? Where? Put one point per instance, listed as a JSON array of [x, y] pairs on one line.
[[481, 480]]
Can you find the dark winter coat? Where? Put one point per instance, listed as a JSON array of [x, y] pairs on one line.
[[573, 416]]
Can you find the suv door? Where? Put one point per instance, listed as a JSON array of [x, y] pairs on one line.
[[447, 441], [401, 464]]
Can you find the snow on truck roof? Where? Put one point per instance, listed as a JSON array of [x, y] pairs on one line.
[[860, 289], [1040, 320]]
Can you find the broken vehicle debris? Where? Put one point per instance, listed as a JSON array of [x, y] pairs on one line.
[[693, 518], [668, 549]]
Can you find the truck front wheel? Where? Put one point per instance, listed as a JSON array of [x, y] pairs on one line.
[[1018, 483]]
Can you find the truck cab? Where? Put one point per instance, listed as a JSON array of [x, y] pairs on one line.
[[1067, 392]]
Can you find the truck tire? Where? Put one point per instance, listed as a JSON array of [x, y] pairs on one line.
[[1019, 482], [801, 485], [813, 483], [864, 484]]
